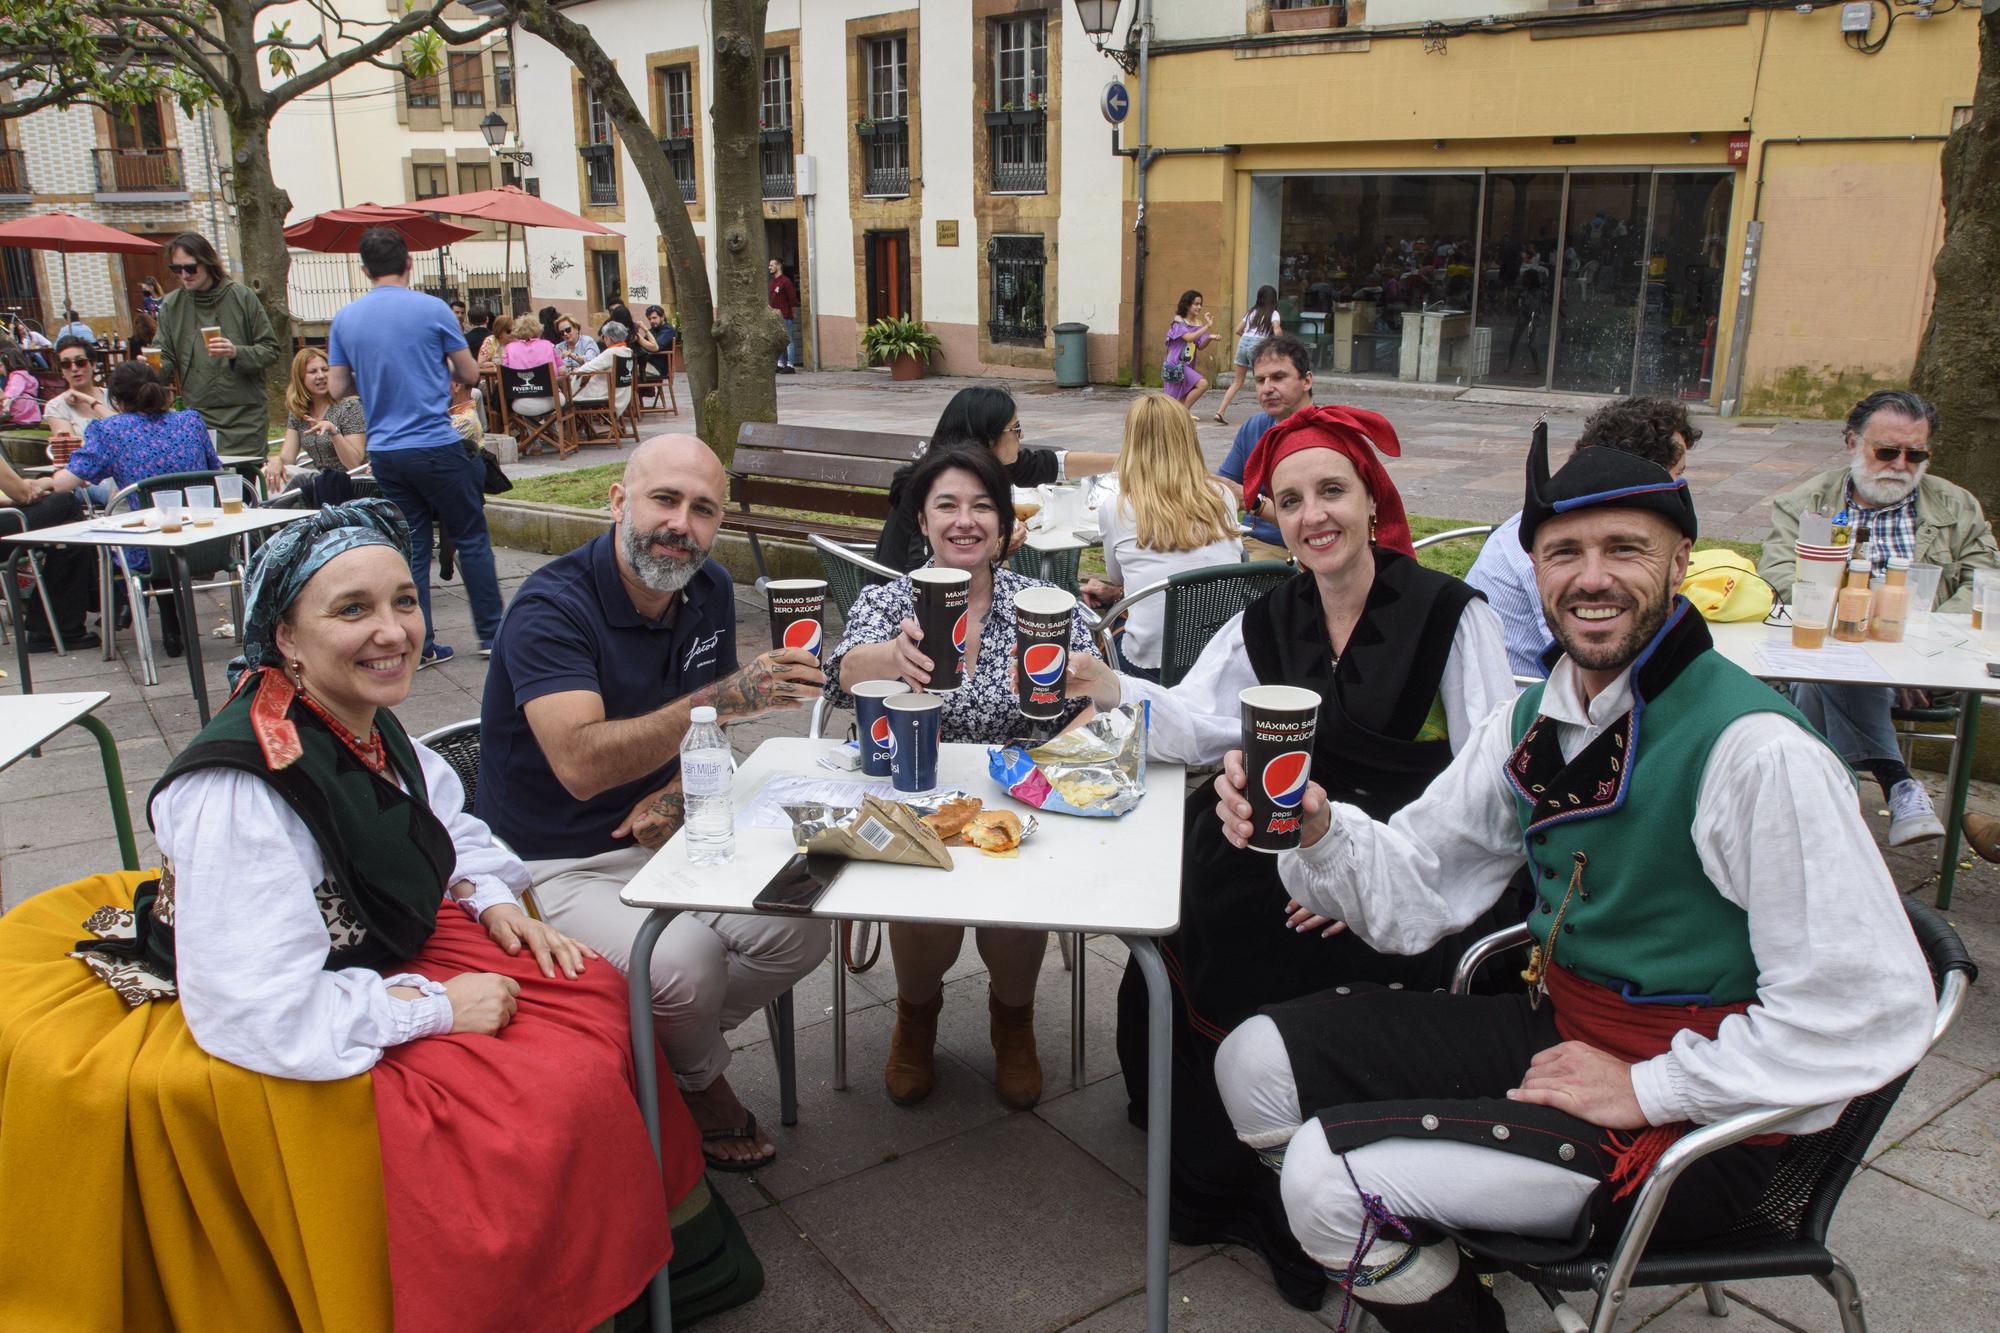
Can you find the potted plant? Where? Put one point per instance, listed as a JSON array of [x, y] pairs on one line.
[[904, 343]]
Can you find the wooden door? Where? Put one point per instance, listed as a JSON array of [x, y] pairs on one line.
[[888, 255], [152, 266]]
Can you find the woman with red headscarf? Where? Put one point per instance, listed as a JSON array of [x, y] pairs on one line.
[[1406, 661]]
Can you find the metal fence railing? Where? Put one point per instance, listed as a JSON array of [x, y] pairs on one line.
[[774, 156], [138, 170], [319, 285], [1020, 159], [885, 157]]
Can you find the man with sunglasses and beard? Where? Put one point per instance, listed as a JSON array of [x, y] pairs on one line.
[[603, 656], [1887, 488], [1715, 933]]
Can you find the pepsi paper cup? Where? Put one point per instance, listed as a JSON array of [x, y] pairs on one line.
[[1041, 649], [1278, 722], [941, 598], [798, 608], [871, 724], [913, 740]]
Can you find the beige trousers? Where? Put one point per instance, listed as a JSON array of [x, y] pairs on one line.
[[711, 970]]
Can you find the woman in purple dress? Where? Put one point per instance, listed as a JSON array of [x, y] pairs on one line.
[[1191, 329]]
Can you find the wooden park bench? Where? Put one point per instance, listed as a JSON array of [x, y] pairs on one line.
[[791, 483]]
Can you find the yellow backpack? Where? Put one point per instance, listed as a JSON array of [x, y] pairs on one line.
[[1725, 586]]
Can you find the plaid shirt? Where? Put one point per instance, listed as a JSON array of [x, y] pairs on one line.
[[1891, 531]]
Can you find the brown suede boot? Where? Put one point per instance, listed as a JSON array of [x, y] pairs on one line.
[[911, 1072], [1017, 1072]]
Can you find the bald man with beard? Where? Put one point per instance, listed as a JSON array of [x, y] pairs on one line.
[[602, 658]]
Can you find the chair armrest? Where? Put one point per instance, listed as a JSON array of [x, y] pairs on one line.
[[816, 727], [1116, 612], [841, 551], [1509, 937]]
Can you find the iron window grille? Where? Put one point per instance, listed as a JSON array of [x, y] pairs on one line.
[[885, 153], [774, 156], [1017, 308], [677, 98], [1018, 114], [599, 168]]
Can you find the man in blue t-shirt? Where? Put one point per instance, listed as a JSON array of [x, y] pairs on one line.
[[401, 350], [604, 654], [1284, 377]]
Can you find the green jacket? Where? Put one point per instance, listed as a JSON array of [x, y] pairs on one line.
[[1952, 533], [207, 382]]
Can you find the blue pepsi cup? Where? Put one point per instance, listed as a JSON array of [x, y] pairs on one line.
[[913, 740], [1278, 725], [871, 724]]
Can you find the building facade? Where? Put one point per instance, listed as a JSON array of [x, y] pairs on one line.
[[941, 178], [375, 136], [1732, 203], [153, 171]]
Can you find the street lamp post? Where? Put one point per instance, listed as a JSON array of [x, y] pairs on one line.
[[1099, 17]]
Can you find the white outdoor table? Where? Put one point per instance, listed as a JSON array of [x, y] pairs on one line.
[[106, 531], [1105, 876], [1943, 656], [28, 720], [230, 463]]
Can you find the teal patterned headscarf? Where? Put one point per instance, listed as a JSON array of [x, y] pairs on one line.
[[285, 563]]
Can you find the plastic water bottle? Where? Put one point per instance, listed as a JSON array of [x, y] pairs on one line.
[[707, 769]]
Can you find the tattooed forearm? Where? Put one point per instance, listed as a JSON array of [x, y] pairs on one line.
[[661, 821], [754, 690]]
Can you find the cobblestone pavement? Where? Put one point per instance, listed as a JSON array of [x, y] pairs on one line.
[[1463, 455], [960, 1214]]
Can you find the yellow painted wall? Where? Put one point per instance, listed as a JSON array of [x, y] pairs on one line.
[[1850, 229]]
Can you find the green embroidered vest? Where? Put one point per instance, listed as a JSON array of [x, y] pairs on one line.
[[1645, 920]]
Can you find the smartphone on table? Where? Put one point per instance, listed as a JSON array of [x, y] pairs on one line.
[[799, 883]]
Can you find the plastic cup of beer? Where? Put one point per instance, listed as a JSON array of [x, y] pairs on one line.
[[152, 355], [169, 504], [1986, 604], [229, 490], [209, 333], [201, 506]]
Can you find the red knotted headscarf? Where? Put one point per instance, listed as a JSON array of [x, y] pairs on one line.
[[1353, 431]]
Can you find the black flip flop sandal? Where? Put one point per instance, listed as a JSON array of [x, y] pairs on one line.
[[749, 1132]]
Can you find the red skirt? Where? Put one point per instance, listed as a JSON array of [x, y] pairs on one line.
[[519, 1184]]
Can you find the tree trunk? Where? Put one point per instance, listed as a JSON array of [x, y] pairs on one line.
[[261, 203], [725, 393], [1956, 367], [748, 333]]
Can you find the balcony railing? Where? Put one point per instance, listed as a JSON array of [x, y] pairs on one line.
[[774, 155], [680, 156], [13, 172], [1020, 155], [601, 174], [885, 157], [139, 170]]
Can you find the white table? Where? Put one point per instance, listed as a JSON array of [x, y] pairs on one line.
[[28, 720], [1110, 876], [107, 531], [1942, 655]]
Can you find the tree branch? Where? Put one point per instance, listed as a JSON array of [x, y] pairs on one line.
[[366, 52]]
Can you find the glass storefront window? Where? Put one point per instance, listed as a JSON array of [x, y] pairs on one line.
[[1683, 296], [1517, 285], [1603, 255], [1357, 255]]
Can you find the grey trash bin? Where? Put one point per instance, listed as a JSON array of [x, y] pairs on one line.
[[1072, 356]]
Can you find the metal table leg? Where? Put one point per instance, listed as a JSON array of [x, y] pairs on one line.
[[839, 1013], [1159, 1121], [1076, 1011], [645, 1067], [1960, 778], [190, 633], [114, 784]]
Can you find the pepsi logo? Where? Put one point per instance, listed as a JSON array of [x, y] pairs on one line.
[[958, 634], [1285, 778], [1043, 663], [881, 736], [803, 634]]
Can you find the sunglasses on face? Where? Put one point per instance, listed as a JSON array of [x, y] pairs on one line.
[[1889, 454], [185, 270], [74, 363]]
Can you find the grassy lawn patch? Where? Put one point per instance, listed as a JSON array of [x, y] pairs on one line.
[[589, 488]]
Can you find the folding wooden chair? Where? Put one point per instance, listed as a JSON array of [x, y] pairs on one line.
[[531, 430], [655, 395], [592, 421]]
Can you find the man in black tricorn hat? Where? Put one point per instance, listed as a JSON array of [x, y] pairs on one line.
[[1715, 932]]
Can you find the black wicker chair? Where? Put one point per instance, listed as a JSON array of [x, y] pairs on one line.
[[1785, 1236], [458, 745]]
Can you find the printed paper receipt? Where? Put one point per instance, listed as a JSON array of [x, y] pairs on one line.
[[1845, 662]]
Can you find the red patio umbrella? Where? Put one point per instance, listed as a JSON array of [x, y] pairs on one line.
[[339, 230], [514, 207], [68, 234]]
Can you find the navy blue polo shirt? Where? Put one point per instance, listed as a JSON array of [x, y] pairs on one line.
[[572, 626]]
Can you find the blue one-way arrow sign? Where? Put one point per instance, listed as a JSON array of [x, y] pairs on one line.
[[1115, 103]]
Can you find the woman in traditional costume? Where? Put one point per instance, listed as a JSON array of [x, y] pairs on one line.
[[1405, 661], [320, 1070]]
